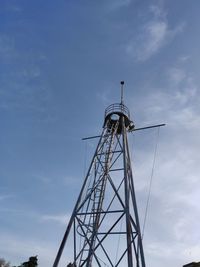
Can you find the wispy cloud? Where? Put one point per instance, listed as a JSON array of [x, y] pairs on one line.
[[116, 4], [175, 191], [183, 84], [153, 35], [12, 7], [7, 47], [6, 196], [173, 215], [184, 58], [23, 86], [176, 75], [176, 103], [17, 249], [104, 94], [57, 218]]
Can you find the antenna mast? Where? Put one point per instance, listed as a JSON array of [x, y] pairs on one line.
[[122, 92]]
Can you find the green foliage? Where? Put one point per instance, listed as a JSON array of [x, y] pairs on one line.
[[3, 263], [32, 262]]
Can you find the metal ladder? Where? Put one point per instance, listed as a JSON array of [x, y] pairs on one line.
[[97, 197]]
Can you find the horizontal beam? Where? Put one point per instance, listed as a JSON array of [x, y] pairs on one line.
[[148, 127], [112, 233], [114, 170], [99, 212], [136, 129], [91, 137]]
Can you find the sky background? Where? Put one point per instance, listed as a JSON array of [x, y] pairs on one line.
[[61, 63]]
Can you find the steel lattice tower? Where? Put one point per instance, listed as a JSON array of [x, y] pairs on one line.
[[104, 225]]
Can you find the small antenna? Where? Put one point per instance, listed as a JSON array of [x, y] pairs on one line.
[[122, 92]]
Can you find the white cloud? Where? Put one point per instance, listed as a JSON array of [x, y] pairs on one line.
[[172, 224], [17, 249], [161, 254], [104, 95], [157, 11], [31, 73], [183, 85], [6, 196], [57, 218], [7, 47], [176, 75], [174, 213], [154, 35], [176, 105], [184, 58]]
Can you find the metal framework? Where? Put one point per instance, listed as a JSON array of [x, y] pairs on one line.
[[104, 225]]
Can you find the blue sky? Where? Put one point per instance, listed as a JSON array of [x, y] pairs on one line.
[[60, 66]]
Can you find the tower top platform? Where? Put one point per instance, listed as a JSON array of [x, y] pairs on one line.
[[117, 111], [117, 108]]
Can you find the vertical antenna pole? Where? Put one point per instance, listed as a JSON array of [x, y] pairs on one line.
[[122, 92]]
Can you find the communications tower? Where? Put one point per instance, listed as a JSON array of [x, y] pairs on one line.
[[104, 228]]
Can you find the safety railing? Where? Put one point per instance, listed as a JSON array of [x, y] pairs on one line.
[[117, 108]]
